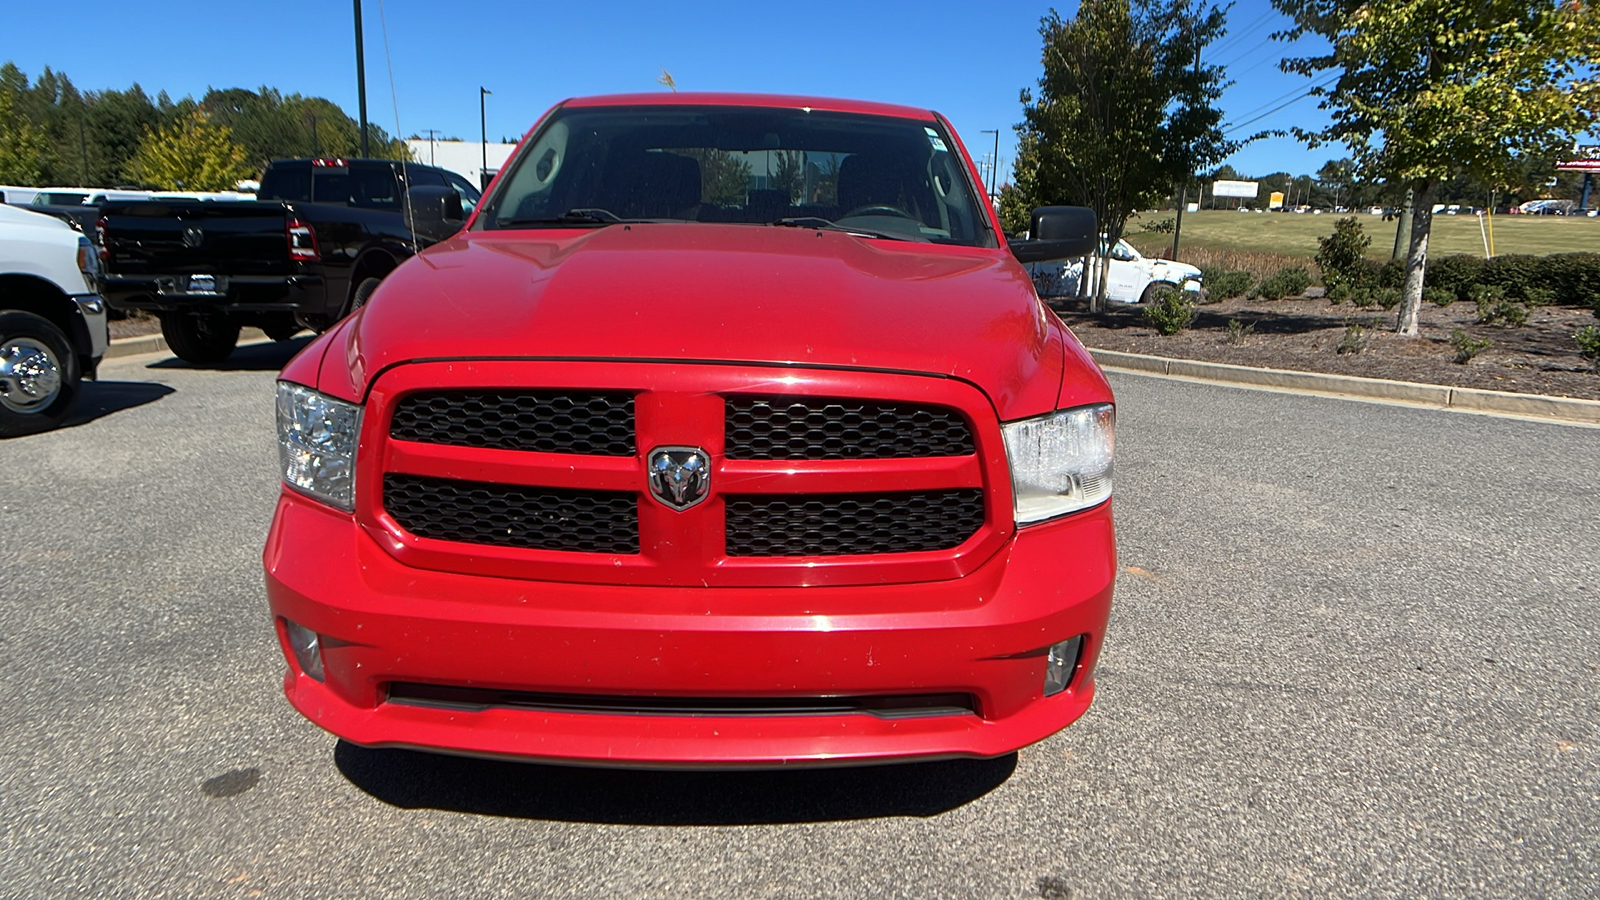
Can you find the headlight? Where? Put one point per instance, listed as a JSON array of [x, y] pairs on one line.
[[317, 444], [1060, 463]]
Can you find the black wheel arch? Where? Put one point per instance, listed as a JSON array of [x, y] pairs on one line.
[[376, 262]]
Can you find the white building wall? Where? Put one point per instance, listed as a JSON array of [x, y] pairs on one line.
[[461, 157]]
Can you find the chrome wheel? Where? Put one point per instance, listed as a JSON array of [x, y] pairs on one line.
[[30, 375]]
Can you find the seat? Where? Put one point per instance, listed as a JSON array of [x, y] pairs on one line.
[[652, 185]]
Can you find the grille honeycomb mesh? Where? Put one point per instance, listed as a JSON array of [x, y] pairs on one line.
[[474, 512], [809, 428], [593, 423], [852, 524]]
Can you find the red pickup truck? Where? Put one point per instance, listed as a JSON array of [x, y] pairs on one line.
[[726, 431]]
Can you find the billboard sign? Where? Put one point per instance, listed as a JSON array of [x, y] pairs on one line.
[[1247, 189], [1585, 158]]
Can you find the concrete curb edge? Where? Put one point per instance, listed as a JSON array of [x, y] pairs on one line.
[[1535, 406]]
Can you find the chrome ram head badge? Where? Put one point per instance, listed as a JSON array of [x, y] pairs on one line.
[[680, 477]]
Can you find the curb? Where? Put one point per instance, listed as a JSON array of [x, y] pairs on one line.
[[155, 343], [1438, 396]]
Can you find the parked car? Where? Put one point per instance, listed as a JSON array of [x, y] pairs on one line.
[[52, 321], [1131, 276], [656, 462], [311, 248]]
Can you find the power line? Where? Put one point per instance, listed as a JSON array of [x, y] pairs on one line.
[[1232, 40], [1293, 97]]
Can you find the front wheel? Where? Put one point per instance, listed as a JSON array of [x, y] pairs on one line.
[[363, 293], [1155, 288], [39, 375], [203, 339]]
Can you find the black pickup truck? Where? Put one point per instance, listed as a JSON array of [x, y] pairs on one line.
[[308, 251]]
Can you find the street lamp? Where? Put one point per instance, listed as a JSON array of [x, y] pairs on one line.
[[483, 125], [361, 82], [431, 133], [995, 166]]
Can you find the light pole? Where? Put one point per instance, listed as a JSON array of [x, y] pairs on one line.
[[361, 82], [995, 165], [483, 126], [431, 133]]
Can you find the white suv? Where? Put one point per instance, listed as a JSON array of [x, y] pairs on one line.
[[52, 320], [1131, 277]]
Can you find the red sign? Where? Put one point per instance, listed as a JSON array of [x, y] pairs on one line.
[[1580, 165]]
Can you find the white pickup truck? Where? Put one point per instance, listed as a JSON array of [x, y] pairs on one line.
[[1131, 277], [52, 320]]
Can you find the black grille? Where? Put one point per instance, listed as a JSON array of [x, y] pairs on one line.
[[852, 524], [536, 518], [894, 706], [806, 428], [593, 423]]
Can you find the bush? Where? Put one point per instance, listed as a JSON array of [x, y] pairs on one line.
[[1512, 274], [1588, 338], [1165, 226], [1387, 297], [1339, 293], [1225, 284], [1575, 278], [1392, 274], [1238, 331], [1439, 296], [1169, 311], [1456, 274], [1466, 345], [1354, 340], [1494, 306], [1290, 282], [1536, 297], [1342, 256], [1363, 297]]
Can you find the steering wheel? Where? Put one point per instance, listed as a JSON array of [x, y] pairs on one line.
[[879, 211]]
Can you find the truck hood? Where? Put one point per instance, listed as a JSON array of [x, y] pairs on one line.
[[719, 293]]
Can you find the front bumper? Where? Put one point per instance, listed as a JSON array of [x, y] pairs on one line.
[[984, 635]]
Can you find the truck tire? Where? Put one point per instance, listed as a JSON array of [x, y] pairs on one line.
[[202, 339], [1156, 287], [282, 328], [39, 374], [363, 293]]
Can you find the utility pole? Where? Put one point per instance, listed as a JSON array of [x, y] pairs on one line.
[[361, 82], [483, 125], [994, 163], [431, 133]]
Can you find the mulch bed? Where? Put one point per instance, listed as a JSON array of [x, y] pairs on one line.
[[1304, 334]]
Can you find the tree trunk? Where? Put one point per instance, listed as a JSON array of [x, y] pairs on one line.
[[1103, 266], [1417, 257]]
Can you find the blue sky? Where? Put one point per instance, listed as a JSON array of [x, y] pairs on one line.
[[966, 59]]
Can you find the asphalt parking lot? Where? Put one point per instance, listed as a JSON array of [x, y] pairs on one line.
[[1354, 652]]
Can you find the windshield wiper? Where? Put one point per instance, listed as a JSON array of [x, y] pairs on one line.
[[583, 215], [822, 224]]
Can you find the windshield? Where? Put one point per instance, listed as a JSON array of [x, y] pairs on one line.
[[59, 198], [878, 175]]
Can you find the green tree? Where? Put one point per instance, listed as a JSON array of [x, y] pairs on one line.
[[21, 144], [724, 177], [790, 174], [191, 154], [1426, 90], [1124, 111]]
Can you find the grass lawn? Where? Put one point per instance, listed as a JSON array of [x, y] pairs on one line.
[[1295, 234]]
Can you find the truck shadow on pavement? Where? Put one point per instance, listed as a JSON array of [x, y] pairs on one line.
[[102, 398], [269, 356], [414, 780]]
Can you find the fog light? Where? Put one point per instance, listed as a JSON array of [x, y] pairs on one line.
[[307, 647], [1059, 665]]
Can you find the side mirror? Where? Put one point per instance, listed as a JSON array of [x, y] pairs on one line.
[[434, 212], [1059, 232]]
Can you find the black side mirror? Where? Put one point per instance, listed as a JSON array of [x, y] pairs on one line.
[[1058, 232], [433, 212]]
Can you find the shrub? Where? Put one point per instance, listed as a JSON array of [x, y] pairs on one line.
[[1512, 273], [1466, 345], [1588, 338], [1439, 296], [1575, 278], [1456, 274], [1354, 340], [1392, 274], [1169, 311], [1225, 284], [1536, 297], [1494, 306], [1342, 256], [1290, 282], [1339, 293], [1165, 226], [1363, 297], [1387, 297], [1238, 331]]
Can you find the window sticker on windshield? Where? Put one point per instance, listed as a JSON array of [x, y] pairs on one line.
[[935, 140]]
